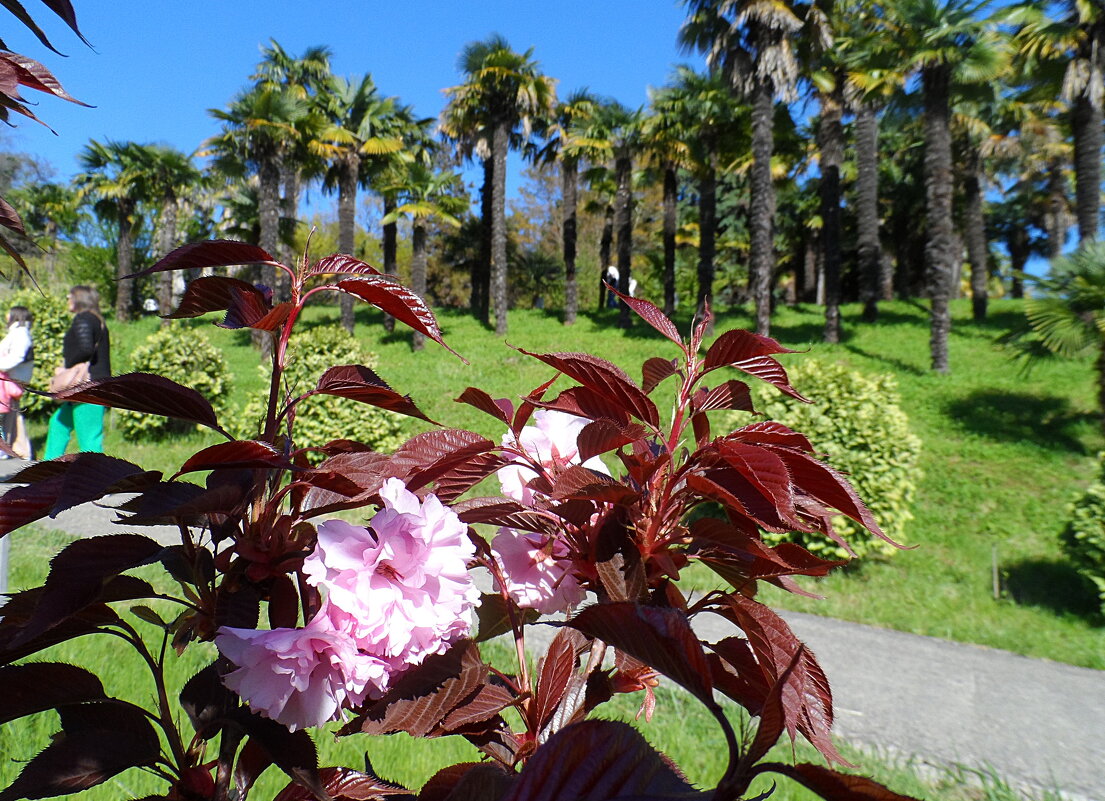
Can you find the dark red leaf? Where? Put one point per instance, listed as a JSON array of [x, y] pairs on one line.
[[148, 394], [655, 370], [553, 674], [340, 264], [78, 575], [102, 715], [25, 504], [730, 395], [9, 217], [210, 293], [451, 455], [20, 13], [292, 752], [596, 760], [750, 353], [501, 512], [237, 454], [468, 781], [16, 256], [247, 312], [206, 700], [806, 698], [87, 621], [604, 378], [38, 686], [578, 482], [585, 402], [739, 496], [445, 693], [344, 784], [252, 761], [772, 433], [602, 436], [526, 407], [36, 76], [213, 253], [367, 469], [736, 673], [766, 472], [83, 759], [651, 314], [657, 636], [700, 425], [64, 9], [501, 409], [494, 619], [773, 717], [359, 383], [398, 301], [831, 785]]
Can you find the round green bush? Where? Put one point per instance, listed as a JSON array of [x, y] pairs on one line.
[[183, 354], [856, 425], [1083, 538], [51, 321], [322, 418]]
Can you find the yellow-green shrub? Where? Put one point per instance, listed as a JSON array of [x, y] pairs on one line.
[[322, 418], [856, 425], [1083, 538], [185, 355], [52, 320]]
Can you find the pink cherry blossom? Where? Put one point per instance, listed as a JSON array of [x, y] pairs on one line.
[[302, 677], [404, 580], [537, 571], [551, 440]]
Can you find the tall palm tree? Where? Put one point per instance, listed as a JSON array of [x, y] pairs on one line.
[[424, 196], [362, 130], [752, 44], [943, 40], [1068, 54], [504, 94], [114, 177], [49, 211], [571, 139], [169, 176]]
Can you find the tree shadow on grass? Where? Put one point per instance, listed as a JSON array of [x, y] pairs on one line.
[[896, 364], [1047, 421], [1052, 585]]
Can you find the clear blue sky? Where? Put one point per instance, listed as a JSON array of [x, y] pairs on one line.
[[158, 65]]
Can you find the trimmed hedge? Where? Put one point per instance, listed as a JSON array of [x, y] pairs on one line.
[[183, 354], [322, 418], [856, 425], [52, 320], [1083, 538]]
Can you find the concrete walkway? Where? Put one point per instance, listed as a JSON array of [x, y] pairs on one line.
[[1033, 722]]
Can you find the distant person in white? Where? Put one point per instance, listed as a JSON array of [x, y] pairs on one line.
[[612, 278]]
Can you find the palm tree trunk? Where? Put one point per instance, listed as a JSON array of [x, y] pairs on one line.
[[1088, 136], [289, 211], [1017, 243], [124, 299], [390, 248], [418, 273], [347, 226], [671, 222], [975, 223], [831, 134], [164, 246], [606, 243], [940, 247], [1056, 215], [867, 210], [623, 224], [707, 230], [268, 211], [762, 200], [500, 143], [481, 269], [569, 186]]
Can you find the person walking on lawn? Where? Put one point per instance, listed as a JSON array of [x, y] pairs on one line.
[[16, 366], [86, 341]]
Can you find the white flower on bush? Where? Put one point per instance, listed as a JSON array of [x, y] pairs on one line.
[[551, 441]]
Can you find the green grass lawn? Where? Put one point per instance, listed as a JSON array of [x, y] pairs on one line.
[[1004, 452], [681, 727]]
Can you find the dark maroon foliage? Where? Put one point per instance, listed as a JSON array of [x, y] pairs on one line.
[[678, 495]]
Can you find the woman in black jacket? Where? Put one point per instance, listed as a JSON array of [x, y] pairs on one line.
[[86, 341]]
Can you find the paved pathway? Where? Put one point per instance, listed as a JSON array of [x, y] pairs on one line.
[[1034, 722]]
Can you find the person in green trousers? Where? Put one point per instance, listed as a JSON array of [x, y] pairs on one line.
[[86, 341]]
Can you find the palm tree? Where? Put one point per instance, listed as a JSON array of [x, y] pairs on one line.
[[943, 40], [423, 196], [751, 44], [361, 131], [114, 176], [169, 176], [504, 94], [1067, 55], [50, 211], [572, 139], [1066, 314]]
